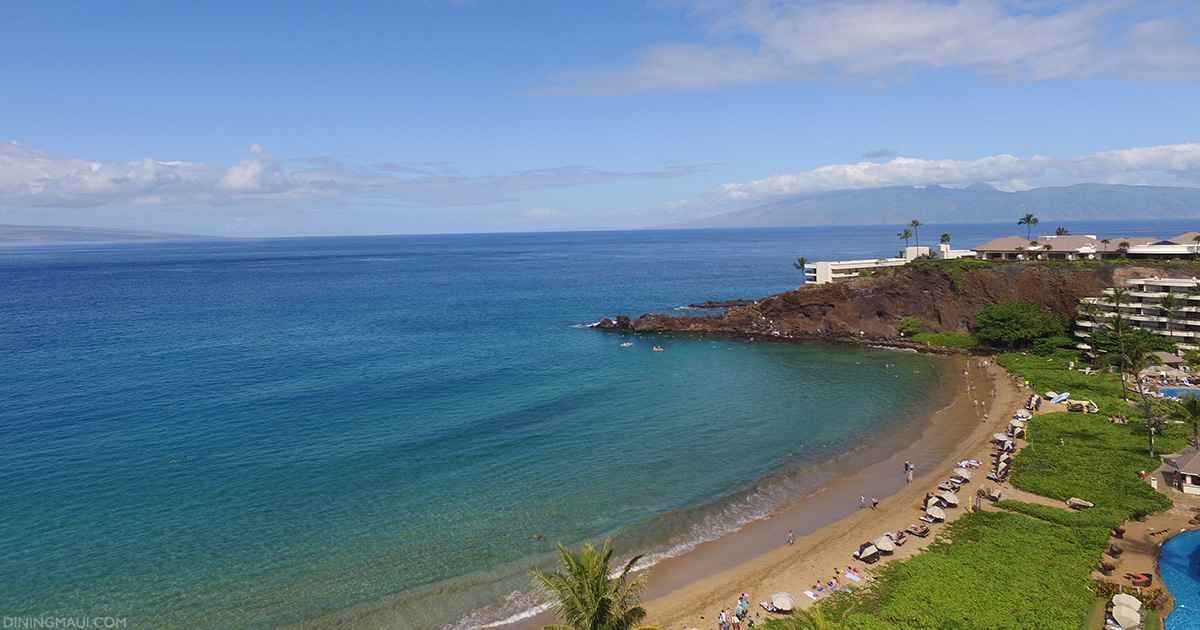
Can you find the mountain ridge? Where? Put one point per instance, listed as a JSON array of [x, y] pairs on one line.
[[977, 203]]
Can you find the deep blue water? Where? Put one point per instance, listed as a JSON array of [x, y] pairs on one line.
[[254, 434], [1180, 568]]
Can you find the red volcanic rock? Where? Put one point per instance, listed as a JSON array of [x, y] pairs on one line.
[[945, 299]]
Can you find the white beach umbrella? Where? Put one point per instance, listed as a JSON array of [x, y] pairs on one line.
[[999, 437], [783, 601], [949, 497], [1124, 599], [1126, 617], [885, 544], [935, 512], [1020, 424], [964, 473], [1024, 413]]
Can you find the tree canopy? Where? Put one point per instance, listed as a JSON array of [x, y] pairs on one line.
[[1017, 323]]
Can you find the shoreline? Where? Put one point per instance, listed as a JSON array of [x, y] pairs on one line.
[[824, 543], [688, 590]]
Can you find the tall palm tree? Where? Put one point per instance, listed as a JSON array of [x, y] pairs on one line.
[[1062, 231], [1189, 412], [1104, 250], [1091, 312], [1168, 306], [914, 224], [1029, 221], [1118, 327], [1123, 246], [801, 263], [945, 237], [584, 597], [814, 619], [906, 234], [1137, 356]]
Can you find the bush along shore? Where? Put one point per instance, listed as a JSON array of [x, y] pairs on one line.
[[1029, 564]]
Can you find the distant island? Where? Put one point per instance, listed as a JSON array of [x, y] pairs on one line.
[[977, 203], [14, 235]]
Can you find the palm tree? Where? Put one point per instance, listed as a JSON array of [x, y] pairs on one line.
[[914, 224], [1168, 305], [1090, 311], [801, 263], [1104, 250], [1189, 412], [906, 234], [813, 619], [1029, 221], [1196, 248], [1123, 246], [945, 237], [1062, 231], [584, 597]]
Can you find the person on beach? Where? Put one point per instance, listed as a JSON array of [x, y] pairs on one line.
[[862, 502], [874, 503], [791, 538]]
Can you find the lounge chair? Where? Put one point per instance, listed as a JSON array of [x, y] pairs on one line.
[[919, 531]]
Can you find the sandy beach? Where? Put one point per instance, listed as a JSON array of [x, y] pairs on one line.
[[830, 524]]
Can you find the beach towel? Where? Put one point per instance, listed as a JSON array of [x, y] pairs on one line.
[[853, 576], [810, 594]]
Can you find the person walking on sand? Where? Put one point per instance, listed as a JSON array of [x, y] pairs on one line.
[[791, 538], [874, 503], [862, 502]]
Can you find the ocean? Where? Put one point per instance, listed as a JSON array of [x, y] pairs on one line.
[[374, 431]]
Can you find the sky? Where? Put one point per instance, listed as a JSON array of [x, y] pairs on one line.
[[255, 118]]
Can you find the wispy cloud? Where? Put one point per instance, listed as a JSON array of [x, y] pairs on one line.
[[879, 42], [1168, 165], [33, 178]]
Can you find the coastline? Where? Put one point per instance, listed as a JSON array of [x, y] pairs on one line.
[[825, 535], [688, 590]]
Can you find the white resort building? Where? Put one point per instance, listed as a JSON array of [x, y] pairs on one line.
[[1057, 247], [1148, 306]]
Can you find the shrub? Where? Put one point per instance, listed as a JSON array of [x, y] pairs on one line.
[[1047, 345], [1017, 323], [909, 325]]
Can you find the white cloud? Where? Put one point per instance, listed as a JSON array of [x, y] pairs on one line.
[[1177, 164], [33, 178], [883, 41], [544, 214]]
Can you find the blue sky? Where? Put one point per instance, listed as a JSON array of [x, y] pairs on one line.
[[394, 116]]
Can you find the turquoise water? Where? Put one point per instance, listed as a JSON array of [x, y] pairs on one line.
[[256, 434], [1176, 392], [1180, 568]]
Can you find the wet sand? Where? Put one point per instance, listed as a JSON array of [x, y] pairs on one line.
[[690, 590]]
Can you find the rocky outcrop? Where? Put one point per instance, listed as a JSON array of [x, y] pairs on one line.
[[943, 297]]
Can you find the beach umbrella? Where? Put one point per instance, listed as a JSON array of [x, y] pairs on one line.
[[1020, 424], [884, 544], [783, 601], [999, 437], [934, 500], [1123, 599], [1126, 617], [1023, 413], [950, 498], [964, 473], [935, 512], [868, 553], [1004, 457]]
